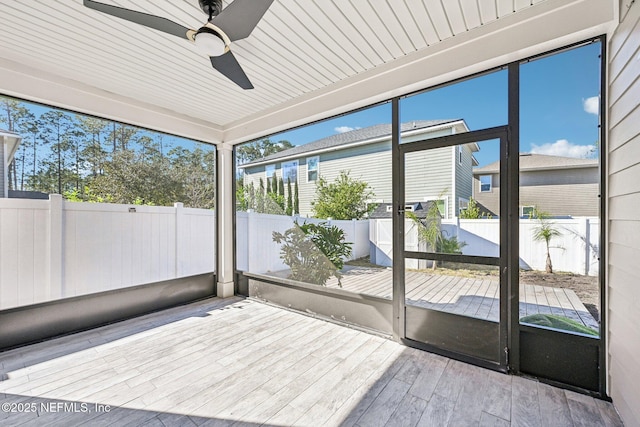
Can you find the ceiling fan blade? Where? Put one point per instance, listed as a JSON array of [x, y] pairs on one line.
[[230, 68], [151, 21], [240, 18]]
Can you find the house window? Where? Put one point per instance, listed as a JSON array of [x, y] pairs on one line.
[[443, 205], [459, 149], [290, 171], [527, 211], [485, 183], [312, 168], [271, 173], [463, 204]]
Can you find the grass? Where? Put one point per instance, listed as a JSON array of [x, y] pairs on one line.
[[558, 322]]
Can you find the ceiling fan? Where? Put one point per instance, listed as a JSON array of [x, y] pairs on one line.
[[235, 22]]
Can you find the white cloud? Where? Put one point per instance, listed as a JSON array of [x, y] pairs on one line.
[[343, 129], [591, 105], [563, 148]]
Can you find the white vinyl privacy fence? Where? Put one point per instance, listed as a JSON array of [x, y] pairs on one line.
[[51, 249], [258, 253], [576, 250]]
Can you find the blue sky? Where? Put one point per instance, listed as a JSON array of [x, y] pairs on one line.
[[558, 107]]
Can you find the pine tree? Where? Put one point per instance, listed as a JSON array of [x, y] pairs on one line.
[[296, 200], [281, 194], [252, 197], [260, 197], [289, 198]]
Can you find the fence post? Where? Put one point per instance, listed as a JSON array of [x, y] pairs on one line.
[[180, 229], [55, 247]]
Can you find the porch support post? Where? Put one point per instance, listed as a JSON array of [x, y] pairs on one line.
[[224, 208]]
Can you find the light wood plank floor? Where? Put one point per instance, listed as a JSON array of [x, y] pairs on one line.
[[474, 297], [242, 362]]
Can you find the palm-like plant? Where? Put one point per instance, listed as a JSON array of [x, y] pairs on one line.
[[545, 231]]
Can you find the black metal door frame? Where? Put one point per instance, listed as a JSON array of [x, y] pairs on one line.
[[474, 336], [527, 350]]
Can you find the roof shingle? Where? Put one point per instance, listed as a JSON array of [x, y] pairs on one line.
[[356, 135], [541, 162]]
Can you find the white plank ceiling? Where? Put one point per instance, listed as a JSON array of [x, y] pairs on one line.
[[299, 47]]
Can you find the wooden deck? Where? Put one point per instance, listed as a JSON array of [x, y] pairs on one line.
[[241, 362], [474, 297]]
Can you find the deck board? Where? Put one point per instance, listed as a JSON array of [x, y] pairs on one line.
[[474, 297], [242, 362]]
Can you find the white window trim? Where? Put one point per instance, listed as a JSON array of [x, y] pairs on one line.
[[490, 183], [522, 207], [297, 162], [460, 201], [317, 168], [459, 154], [446, 204], [266, 173]]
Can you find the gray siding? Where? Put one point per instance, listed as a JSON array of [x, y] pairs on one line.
[[464, 176], [623, 275], [370, 163], [562, 199], [571, 192], [429, 175], [564, 176], [490, 199]]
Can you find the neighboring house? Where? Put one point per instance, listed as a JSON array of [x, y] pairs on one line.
[[9, 142], [441, 173], [559, 186]]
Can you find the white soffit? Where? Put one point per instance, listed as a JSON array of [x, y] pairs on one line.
[[301, 50]]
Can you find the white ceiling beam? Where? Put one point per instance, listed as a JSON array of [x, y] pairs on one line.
[[34, 85]]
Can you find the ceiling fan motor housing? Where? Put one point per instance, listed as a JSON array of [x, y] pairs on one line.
[[211, 7]]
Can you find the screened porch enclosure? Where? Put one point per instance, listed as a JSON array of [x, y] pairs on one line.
[[484, 274]]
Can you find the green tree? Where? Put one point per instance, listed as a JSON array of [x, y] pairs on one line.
[[93, 154], [55, 127], [280, 198], [289, 209], [472, 211], [29, 147], [32, 128], [193, 171], [74, 141], [345, 198], [13, 115], [545, 231], [129, 179], [252, 151], [296, 200], [242, 196], [122, 135], [260, 197]]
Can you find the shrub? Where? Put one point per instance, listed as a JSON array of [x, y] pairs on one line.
[[344, 198], [314, 252]]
